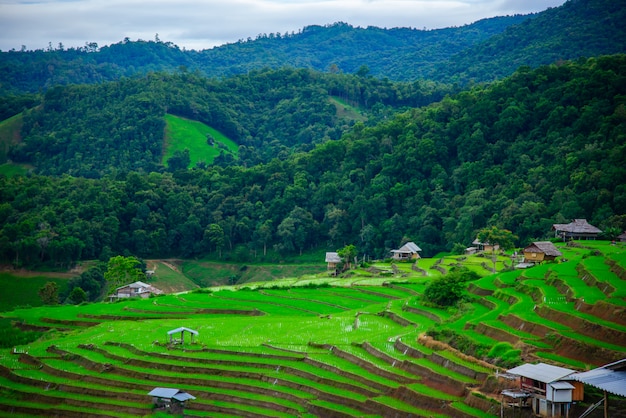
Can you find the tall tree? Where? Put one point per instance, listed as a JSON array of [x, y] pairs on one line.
[[122, 271]]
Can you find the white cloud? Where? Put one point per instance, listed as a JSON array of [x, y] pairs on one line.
[[200, 25]]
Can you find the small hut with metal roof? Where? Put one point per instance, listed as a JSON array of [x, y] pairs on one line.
[[170, 399], [182, 331], [409, 251]]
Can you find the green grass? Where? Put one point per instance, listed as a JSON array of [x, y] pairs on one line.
[[10, 169], [181, 134], [23, 291], [300, 322], [347, 111], [9, 135]]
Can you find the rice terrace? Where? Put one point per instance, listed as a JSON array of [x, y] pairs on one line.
[[363, 344]]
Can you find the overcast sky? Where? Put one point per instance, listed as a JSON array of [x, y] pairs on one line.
[[204, 24]]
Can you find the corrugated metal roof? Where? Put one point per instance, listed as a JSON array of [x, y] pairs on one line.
[[611, 378], [170, 393], [541, 372], [561, 385], [409, 247], [180, 329], [333, 258]]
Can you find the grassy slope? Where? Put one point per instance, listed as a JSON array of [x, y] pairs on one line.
[[346, 111], [338, 316], [181, 134], [9, 136], [13, 294]]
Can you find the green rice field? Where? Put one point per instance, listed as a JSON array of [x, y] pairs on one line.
[[368, 345]]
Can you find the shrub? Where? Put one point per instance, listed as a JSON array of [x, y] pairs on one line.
[[444, 291]]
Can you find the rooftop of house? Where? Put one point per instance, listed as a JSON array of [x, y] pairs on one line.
[[545, 247], [577, 226], [541, 372]]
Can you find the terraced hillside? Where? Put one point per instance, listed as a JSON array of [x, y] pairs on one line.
[[366, 346]]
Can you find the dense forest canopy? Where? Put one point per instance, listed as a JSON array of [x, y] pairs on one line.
[[480, 52], [116, 127], [540, 147]]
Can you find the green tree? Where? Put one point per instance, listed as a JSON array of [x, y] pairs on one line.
[[78, 295], [49, 293], [122, 271], [214, 235], [444, 291], [496, 236], [347, 254]]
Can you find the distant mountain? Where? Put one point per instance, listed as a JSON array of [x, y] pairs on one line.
[[483, 51], [399, 54], [579, 28]]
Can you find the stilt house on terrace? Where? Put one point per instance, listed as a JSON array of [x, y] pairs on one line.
[[549, 390], [170, 399], [332, 261], [133, 290], [578, 229], [540, 251], [409, 251]]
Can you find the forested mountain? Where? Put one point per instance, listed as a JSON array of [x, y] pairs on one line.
[[116, 127], [483, 51], [339, 47], [540, 147], [579, 28]]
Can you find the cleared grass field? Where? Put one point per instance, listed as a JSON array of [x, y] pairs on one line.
[[181, 134]]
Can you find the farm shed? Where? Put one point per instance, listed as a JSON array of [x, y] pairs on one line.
[[332, 261], [550, 388], [409, 251], [182, 331], [610, 378], [169, 398], [136, 289], [577, 229], [540, 251], [484, 246]]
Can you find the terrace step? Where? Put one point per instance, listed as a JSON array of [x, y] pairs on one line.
[[603, 310], [264, 367], [210, 386], [583, 326], [427, 376], [374, 293], [422, 312], [274, 295], [312, 387], [306, 360], [65, 399], [616, 268], [372, 368], [591, 280], [479, 291], [442, 361]]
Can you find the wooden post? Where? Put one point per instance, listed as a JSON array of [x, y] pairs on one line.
[[606, 405]]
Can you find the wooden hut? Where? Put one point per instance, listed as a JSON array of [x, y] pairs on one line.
[[577, 229], [409, 251], [170, 399], [540, 251]]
